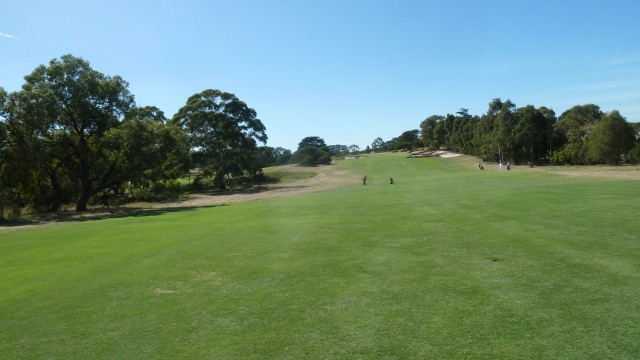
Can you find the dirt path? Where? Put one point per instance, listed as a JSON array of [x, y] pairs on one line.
[[326, 177]]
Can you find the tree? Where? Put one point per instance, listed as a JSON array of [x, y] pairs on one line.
[[428, 127], [224, 132], [460, 138], [312, 156], [440, 132], [354, 149], [267, 156], [634, 153], [578, 121], [283, 156], [63, 112], [148, 151], [336, 150], [408, 140], [532, 133], [312, 151], [503, 132], [75, 133], [147, 112], [6, 198], [574, 125], [378, 145], [485, 145], [32, 166], [315, 141], [610, 139]]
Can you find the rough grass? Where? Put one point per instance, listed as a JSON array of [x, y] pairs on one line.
[[449, 262], [275, 175]]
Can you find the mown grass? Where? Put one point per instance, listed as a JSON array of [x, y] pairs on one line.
[[449, 262]]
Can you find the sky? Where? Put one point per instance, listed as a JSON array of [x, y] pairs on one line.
[[348, 71]]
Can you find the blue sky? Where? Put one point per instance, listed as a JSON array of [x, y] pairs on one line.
[[346, 70]]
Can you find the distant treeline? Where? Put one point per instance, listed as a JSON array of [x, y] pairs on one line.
[[581, 135]]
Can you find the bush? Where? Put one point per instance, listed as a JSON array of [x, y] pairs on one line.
[[634, 154], [308, 161], [157, 191], [324, 160], [166, 190], [560, 157]]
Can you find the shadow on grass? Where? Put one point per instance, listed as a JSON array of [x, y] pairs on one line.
[[249, 191], [97, 214], [160, 208]]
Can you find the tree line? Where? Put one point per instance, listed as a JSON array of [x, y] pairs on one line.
[[75, 135], [582, 135]]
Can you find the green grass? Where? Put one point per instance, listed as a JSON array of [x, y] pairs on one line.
[[450, 262]]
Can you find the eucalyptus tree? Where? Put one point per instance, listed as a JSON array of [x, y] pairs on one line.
[[574, 125], [5, 186], [315, 141], [462, 132], [378, 144], [63, 112], [532, 132], [282, 155], [146, 151], [312, 151], [408, 140], [428, 128], [578, 121], [3, 126], [354, 149], [224, 134], [147, 112], [441, 132], [485, 145], [503, 132], [338, 149], [611, 139], [75, 133]]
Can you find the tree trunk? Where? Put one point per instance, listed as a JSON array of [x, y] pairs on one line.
[[87, 190], [219, 181], [81, 205], [56, 198], [55, 204]]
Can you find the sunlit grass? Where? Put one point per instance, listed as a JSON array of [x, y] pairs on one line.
[[450, 262]]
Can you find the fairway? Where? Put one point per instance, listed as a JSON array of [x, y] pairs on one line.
[[448, 263]]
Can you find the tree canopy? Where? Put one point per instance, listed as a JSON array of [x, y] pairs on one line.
[[611, 139], [58, 122], [506, 133], [73, 134], [312, 151], [378, 144], [224, 134]]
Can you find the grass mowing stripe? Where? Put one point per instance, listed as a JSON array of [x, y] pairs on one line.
[[447, 263]]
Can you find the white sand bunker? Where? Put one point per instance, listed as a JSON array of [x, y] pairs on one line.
[[438, 153]]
